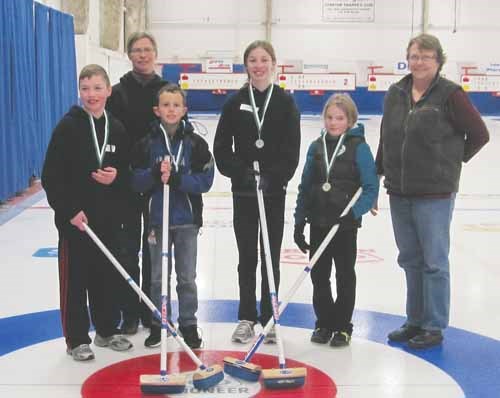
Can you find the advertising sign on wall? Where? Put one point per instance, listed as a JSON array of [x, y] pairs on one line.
[[348, 10]]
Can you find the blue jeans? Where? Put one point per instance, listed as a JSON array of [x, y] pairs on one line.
[[422, 232], [184, 240]]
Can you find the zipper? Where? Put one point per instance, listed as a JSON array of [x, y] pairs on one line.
[[190, 206], [403, 146]]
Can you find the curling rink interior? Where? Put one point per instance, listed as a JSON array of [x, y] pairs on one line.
[[33, 361]]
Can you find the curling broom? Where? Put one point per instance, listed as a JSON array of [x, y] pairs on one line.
[[283, 377], [244, 369], [205, 377], [163, 383]]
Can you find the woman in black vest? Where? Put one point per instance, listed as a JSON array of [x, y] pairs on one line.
[[428, 129]]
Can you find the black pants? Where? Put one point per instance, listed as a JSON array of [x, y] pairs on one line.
[[133, 236], [333, 314], [246, 230], [85, 271]]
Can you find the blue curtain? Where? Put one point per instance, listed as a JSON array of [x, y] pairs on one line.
[[43, 92], [38, 84], [55, 71], [5, 101], [67, 55], [18, 112]]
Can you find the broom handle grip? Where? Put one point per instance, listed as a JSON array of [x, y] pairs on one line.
[[142, 295]]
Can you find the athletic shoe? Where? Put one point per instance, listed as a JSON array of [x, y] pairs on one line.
[[404, 333], [321, 336], [116, 342], [426, 339], [270, 337], [154, 338], [81, 353], [130, 327], [340, 339], [244, 332], [191, 336]]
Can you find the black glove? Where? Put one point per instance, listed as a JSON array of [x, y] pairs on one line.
[[156, 171], [299, 238], [247, 178], [174, 180], [348, 219]]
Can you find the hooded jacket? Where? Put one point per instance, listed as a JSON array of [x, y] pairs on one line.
[[71, 158], [194, 176]]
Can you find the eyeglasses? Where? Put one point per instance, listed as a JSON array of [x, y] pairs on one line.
[[424, 58], [145, 50]]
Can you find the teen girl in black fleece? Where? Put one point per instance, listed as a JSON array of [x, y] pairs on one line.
[[238, 143]]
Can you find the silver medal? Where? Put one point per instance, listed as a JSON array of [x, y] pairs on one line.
[[326, 186], [259, 143]]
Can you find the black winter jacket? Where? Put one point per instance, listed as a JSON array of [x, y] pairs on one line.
[[70, 160], [132, 103], [234, 144]]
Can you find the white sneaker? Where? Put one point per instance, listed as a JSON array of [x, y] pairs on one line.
[[270, 337], [244, 332], [81, 353], [116, 342]]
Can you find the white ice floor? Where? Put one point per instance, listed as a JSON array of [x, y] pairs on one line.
[[33, 360]]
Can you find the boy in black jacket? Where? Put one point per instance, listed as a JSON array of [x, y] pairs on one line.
[[84, 175]]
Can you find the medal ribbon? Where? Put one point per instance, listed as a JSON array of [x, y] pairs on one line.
[[329, 164], [259, 122], [99, 152], [175, 160]]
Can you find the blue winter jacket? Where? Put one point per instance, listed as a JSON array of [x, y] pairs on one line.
[[194, 176]]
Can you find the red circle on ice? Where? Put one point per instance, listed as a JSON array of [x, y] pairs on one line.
[[122, 379]]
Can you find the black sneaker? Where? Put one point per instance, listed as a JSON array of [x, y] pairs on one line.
[[340, 339], [404, 333], [426, 339], [154, 338], [130, 326], [190, 336], [321, 335]]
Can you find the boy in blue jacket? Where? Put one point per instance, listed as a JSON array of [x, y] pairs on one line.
[[337, 164], [189, 172]]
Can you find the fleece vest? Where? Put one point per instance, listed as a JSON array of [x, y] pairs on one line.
[[344, 177], [422, 151]]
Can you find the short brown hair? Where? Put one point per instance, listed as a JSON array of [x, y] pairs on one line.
[[92, 70], [138, 36], [425, 41], [171, 88], [346, 104]]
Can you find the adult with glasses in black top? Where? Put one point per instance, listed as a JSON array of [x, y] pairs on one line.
[[132, 101], [429, 128]]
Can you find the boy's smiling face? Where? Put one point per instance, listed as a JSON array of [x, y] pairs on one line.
[[94, 91], [170, 108]]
